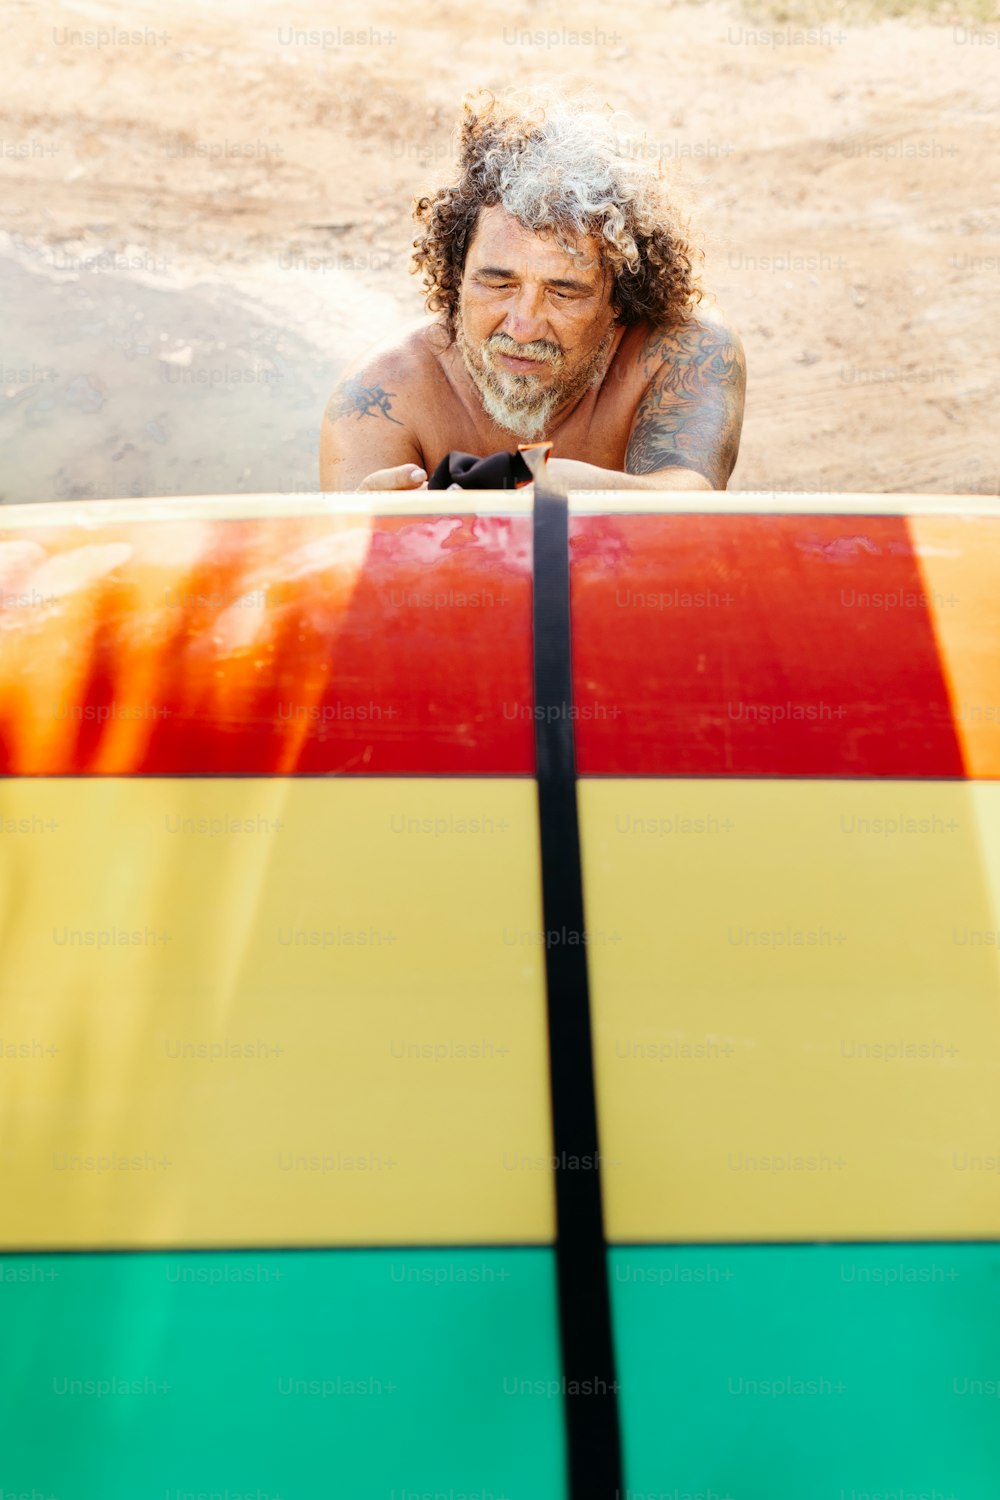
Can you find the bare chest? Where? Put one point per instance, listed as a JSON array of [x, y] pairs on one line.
[[596, 431]]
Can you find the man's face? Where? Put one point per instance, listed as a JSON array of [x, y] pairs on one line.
[[534, 327]]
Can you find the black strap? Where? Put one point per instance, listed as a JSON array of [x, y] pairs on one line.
[[591, 1387]]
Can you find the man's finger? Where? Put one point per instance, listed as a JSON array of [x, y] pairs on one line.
[[402, 477]]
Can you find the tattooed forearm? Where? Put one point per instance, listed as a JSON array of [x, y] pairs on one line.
[[691, 414], [362, 400]]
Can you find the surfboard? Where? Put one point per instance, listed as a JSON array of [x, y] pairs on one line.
[[298, 1032]]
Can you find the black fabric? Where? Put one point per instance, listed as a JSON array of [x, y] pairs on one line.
[[501, 471]]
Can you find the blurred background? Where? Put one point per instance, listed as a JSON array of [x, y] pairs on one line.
[[207, 215]]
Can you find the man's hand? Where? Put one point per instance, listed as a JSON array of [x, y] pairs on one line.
[[402, 477]]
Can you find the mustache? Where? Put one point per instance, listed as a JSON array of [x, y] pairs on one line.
[[545, 353]]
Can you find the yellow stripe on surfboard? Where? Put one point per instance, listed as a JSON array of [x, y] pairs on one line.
[[383, 934], [796, 996]]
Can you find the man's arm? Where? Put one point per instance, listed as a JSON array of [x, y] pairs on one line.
[[690, 415], [574, 474], [685, 433], [366, 442]]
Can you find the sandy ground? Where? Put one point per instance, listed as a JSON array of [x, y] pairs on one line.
[[207, 213]]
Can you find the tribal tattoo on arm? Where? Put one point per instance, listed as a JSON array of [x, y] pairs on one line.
[[691, 413], [362, 400]]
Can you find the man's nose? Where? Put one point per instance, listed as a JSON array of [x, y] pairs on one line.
[[526, 319]]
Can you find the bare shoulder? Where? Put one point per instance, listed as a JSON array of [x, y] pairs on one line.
[[389, 379], [410, 351], [373, 418], [690, 413], [706, 334]]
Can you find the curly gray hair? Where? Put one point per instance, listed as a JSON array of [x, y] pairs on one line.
[[567, 167]]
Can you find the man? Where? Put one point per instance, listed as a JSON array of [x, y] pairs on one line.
[[561, 305]]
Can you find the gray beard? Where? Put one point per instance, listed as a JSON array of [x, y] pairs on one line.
[[515, 401]]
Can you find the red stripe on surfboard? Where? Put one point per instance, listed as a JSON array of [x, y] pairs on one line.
[[703, 645], [414, 657], [725, 645]]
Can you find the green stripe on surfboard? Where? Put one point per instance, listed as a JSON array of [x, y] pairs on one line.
[[384, 1374], [839, 1372]]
